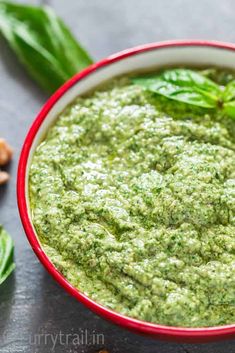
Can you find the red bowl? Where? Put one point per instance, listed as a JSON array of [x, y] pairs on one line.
[[142, 57]]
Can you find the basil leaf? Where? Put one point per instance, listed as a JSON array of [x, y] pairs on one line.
[[229, 92], [183, 85], [42, 43], [228, 99], [229, 109], [6, 255]]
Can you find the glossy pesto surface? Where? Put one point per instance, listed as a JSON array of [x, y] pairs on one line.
[[132, 197]]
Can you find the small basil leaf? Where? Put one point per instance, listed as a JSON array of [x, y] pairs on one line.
[[6, 255], [42, 43], [183, 85], [229, 109], [229, 92], [228, 99]]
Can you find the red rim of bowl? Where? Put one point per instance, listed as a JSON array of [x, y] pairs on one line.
[[159, 331]]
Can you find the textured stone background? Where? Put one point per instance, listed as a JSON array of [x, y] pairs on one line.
[[31, 303]]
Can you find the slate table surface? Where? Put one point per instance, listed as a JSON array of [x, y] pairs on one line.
[[36, 315]]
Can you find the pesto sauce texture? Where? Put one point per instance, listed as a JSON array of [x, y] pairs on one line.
[[133, 199]]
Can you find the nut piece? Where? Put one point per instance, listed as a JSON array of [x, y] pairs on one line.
[[4, 177], [6, 152]]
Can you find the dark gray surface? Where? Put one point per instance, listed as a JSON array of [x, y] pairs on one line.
[[31, 303]]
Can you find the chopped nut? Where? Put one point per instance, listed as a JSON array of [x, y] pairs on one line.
[[4, 177], [103, 351], [6, 152]]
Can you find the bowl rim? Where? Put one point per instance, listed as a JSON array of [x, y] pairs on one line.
[[160, 331]]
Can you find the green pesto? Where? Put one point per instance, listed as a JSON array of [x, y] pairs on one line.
[[133, 199]]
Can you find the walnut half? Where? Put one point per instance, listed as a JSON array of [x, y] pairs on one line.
[[4, 177], [6, 152]]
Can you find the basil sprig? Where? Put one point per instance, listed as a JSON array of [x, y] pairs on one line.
[[42, 43], [229, 99], [6, 255], [192, 88]]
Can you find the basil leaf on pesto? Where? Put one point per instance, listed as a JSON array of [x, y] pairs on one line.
[[228, 98], [43, 43], [6, 255], [183, 85], [229, 92], [229, 109]]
